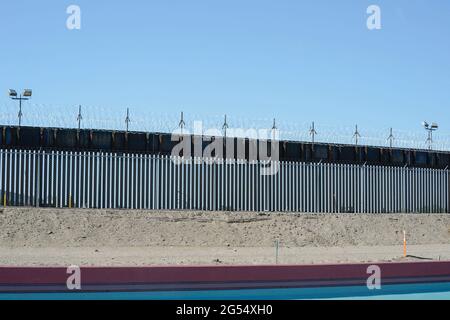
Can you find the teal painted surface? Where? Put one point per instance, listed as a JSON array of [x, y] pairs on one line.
[[406, 291]]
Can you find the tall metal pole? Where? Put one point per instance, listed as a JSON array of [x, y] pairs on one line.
[[430, 139], [313, 132], [79, 118], [356, 135], [225, 127], [20, 110], [127, 119], [391, 138], [182, 124], [274, 129]]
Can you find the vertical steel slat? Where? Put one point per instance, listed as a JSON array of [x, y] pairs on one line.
[[77, 181], [156, 176], [140, 187], [338, 188], [10, 177], [421, 195], [288, 186], [153, 182], [426, 190], [207, 185], [211, 184], [145, 182], [62, 175], [117, 197], [9, 182], [70, 175], [16, 177], [62, 179], [46, 180], [99, 180], [442, 188], [201, 184], [418, 188], [24, 182], [97, 183], [2, 175], [120, 195], [112, 180], [422, 192], [20, 179], [89, 179], [414, 194], [285, 187], [194, 180], [31, 177], [134, 180], [83, 173], [163, 184], [296, 187]]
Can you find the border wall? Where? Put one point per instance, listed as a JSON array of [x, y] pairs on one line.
[[157, 182], [56, 139]]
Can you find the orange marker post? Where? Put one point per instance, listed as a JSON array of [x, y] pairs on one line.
[[404, 244]]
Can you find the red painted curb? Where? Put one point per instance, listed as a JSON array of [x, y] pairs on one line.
[[226, 274]]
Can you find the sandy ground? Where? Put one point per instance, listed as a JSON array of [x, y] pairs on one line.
[[139, 256], [33, 237]]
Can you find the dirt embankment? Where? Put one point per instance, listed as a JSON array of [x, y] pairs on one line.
[[31, 227]]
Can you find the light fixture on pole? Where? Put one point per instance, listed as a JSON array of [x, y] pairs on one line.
[[430, 128], [26, 95]]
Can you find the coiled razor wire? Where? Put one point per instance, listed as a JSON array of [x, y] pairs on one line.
[[94, 117]]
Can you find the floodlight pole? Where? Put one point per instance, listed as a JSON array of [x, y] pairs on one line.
[[430, 129], [20, 111], [430, 138], [20, 114]]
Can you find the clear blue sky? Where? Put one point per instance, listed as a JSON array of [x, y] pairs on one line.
[[290, 59]]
